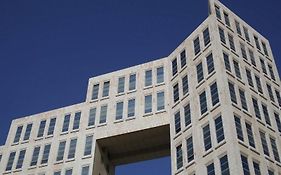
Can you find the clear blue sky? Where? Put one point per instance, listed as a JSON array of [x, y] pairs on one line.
[[49, 49]]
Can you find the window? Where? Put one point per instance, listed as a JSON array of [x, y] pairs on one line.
[[237, 69], [226, 19], [52, 125], [20, 159], [68, 172], [160, 75], [264, 48], [10, 161], [190, 151], [200, 72], [85, 170], [278, 97], [196, 44], [148, 104], [219, 129], [222, 36], [243, 99], [66, 121], [252, 57], [245, 165], [160, 101], [176, 92], [258, 81], [266, 115], [183, 58], [131, 108], [92, 116], [218, 13], [250, 135], [257, 43], [72, 149], [35, 156], [121, 85], [174, 67], [226, 62], [76, 123], [41, 128], [256, 168], [211, 169], [246, 32], [270, 92], [178, 122], [185, 85], [256, 108], [61, 150], [148, 77], [243, 51], [105, 91], [232, 92], [270, 68], [274, 149], [214, 94], [238, 28], [18, 134], [88, 145], [187, 115], [210, 63], [270, 172], [0, 158], [203, 102], [95, 93], [119, 110], [103, 114], [207, 137], [238, 127], [27, 132], [46, 153], [249, 78], [264, 143], [224, 165], [278, 122], [132, 82], [206, 36], [57, 173], [231, 42], [263, 66], [179, 157]]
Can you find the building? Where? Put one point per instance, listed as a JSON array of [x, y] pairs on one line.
[[213, 104]]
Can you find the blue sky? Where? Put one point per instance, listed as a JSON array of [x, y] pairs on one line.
[[49, 49]]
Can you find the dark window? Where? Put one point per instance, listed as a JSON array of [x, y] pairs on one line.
[[232, 93], [278, 122], [243, 99], [274, 149], [10, 161], [270, 68], [211, 169], [196, 44], [131, 107], [190, 151], [20, 159], [103, 114], [183, 58], [119, 110], [66, 121], [278, 97], [61, 150], [250, 135], [88, 145], [263, 67], [176, 92], [231, 42], [224, 165], [148, 104], [121, 85], [264, 143], [214, 94], [258, 81], [27, 132], [105, 91], [160, 75], [226, 62], [226, 19], [257, 168], [174, 67], [243, 51], [222, 36], [132, 82], [72, 149], [160, 101], [257, 43], [237, 69], [148, 77], [252, 57], [249, 78], [256, 108], [95, 92], [270, 92], [238, 28], [177, 122], [206, 36], [200, 72], [41, 128], [245, 165], [218, 13], [18, 134], [246, 32], [35, 156], [238, 126], [92, 117], [266, 114], [270, 172], [187, 115], [46, 153], [76, 122], [264, 48], [185, 85], [210, 63], [52, 126], [219, 129], [207, 137], [203, 102], [179, 157]]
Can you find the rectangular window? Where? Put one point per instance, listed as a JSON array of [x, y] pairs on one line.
[[270, 68], [20, 159], [61, 150], [174, 67], [270, 172], [121, 85], [41, 128], [232, 93], [219, 129], [66, 121], [185, 85], [263, 67], [103, 114], [179, 157], [224, 165], [206, 36], [132, 82], [187, 115], [210, 63], [10, 161], [245, 165], [72, 149], [278, 121], [200, 72], [256, 108], [196, 45], [119, 110], [92, 116], [278, 96], [222, 36], [226, 62], [27, 132], [57, 173], [105, 91], [264, 143], [68, 172], [258, 81], [266, 114], [231, 42], [246, 32], [237, 69], [226, 19], [214, 94], [243, 51], [18, 134], [238, 28], [178, 122], [249, 78], [264, 48], [148, 77], [148, 104], [131, 107], [76, 122], [274, 149], [85, 170], [46, 154], [176, 92], [207, 137], [270, 92], [52, 125], [88, 145], [257, 168], [190, 151], [95, 93], [35, 156], [252, 57], [160, 75], [203, 102], [238, 127], [211, 169], [243, 99], [218, 13], [183, 58], [160, 101], [257, 43], [250, 135]]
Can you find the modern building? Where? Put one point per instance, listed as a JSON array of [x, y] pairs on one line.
[[213, 105]]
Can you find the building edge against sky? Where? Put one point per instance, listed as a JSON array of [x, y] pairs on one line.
[[218, 91]]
